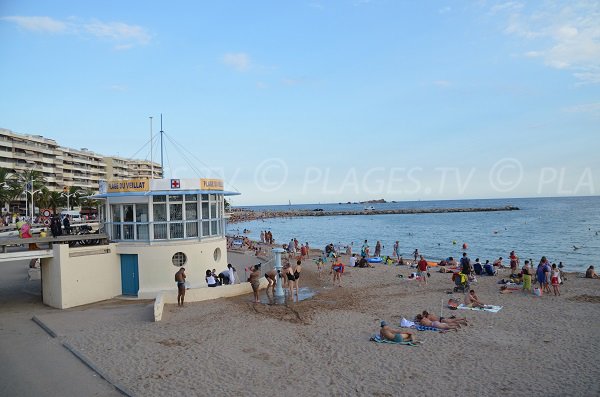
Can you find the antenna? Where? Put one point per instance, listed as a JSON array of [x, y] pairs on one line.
[[162, 167], [151, 152]]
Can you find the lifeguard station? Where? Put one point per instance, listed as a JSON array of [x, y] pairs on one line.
[[154, 227]]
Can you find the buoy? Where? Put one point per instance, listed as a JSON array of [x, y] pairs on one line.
[[454, 242]]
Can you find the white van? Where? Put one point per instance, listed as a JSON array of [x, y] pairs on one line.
[[74, 216]]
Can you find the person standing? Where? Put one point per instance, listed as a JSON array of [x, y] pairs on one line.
[[180, 280], [262, 236], [378, 248], [397, 251], [543, 274], [364, 250], [423, 266], [416, 254], [254, 280], [337, 268], [465, 263], [555, 279], [514, 262], [67, 225]]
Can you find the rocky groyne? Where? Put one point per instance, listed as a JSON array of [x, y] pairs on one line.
[[243, 215]]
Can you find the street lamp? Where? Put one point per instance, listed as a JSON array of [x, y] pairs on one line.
[[68, 196], [32, 192]]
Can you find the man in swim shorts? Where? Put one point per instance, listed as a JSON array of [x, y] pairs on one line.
[[395, 335], [180, 280]]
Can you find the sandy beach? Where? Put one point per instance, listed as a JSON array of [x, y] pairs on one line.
[[534, 346]]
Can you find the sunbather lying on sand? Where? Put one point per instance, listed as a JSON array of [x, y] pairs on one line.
[[395, 335], [451, 321], [436, 324]]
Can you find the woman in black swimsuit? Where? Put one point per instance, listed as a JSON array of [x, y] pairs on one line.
[[297, 271], [291, 280]]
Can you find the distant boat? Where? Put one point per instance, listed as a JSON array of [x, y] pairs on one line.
[[369, 208], [289, 202]]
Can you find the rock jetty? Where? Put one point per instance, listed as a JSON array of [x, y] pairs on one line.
[[243, 215]]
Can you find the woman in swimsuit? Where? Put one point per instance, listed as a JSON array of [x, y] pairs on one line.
[[436, 324], [452, 321], [291, 280], [297, 271], [254, 280]]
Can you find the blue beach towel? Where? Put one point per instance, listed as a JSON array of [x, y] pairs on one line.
[[426, 328], [378, 339]]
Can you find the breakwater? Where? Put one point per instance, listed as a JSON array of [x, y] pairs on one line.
[[243, 215]]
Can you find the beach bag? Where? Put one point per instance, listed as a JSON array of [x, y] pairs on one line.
[[537, 292], [453, 304]]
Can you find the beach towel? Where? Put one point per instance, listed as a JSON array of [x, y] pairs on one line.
[[378, 339], [426, 328], [488, 308]]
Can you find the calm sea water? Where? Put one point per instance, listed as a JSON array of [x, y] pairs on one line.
[[543, 226]]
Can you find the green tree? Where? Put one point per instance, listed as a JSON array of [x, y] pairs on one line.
[[56, 199], [10, 187]]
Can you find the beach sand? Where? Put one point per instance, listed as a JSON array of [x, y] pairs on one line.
[[535, 346]]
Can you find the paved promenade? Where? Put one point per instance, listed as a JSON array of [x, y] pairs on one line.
[[31, 362]]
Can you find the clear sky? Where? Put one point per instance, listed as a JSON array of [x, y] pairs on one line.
[[319, 101]]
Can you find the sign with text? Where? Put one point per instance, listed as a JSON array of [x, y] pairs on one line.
[[211, 184], [131, 185]]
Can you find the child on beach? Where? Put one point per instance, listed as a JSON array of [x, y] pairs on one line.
[[526, 279], [555, 279], [337, 268]]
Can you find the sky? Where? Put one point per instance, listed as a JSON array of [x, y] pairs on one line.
[[318, 101]]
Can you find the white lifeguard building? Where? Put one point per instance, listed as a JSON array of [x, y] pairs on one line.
[[154, 226]]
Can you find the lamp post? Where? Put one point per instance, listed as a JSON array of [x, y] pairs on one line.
[[68, 196], [32, 192]]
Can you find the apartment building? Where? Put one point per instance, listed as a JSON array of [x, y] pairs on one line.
[[63, 166]]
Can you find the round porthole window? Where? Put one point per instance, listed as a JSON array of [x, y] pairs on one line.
[[217, 254], [179, 259]]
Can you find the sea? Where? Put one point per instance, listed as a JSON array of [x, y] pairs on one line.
[[565, 229]]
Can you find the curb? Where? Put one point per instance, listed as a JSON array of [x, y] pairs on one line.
[[43, 326], [84, 359]]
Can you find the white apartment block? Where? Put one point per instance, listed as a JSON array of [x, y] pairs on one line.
[[62, 166]]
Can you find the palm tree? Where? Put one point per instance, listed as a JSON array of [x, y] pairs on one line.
[[56, 199], [36, 176], [10, 188]]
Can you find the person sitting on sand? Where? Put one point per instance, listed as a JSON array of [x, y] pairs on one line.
[[498, 263], [489, 269], [591, 273], [454, 321], [435, 324], [395, 335], [472, 300]]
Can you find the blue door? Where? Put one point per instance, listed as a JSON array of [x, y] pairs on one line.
[[130, 282]]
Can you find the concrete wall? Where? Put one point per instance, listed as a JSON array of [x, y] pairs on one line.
[[203, 294], [156, 269], [78, 276]]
